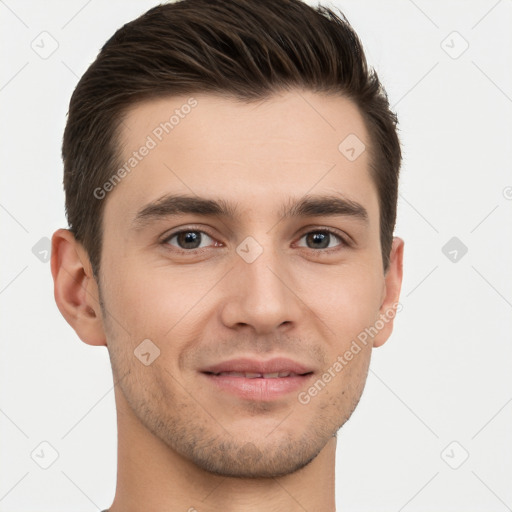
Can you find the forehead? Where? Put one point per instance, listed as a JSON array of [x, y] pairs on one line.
[[263, 153]]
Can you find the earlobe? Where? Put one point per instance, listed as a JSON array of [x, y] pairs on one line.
[[393, 283], [75, 288]]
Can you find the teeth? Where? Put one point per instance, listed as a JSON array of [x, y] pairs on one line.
[[250, 375]]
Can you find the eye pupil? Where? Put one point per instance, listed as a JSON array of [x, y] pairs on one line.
[[189, 239], [193, 239], [319, 240]]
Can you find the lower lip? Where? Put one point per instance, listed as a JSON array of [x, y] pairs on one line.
[[259, 389]]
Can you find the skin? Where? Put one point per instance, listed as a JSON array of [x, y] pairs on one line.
[[183, 444]]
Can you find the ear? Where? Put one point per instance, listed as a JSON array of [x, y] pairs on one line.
[[75, 288], [390, 305]]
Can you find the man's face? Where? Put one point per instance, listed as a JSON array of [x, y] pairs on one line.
[[250, 283]]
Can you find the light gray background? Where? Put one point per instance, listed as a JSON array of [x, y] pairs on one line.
[[444, 375]]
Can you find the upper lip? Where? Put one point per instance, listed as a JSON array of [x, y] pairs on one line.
[[247, 365]]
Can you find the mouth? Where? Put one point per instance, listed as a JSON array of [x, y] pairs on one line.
[[254, 380], [256, 375], [257, 368], [261, 387]]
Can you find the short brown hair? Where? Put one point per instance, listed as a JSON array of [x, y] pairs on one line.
[[241, 49]]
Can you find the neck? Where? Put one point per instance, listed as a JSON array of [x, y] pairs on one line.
[[152, 476]]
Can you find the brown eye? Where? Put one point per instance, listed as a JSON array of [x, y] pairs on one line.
[[190, 239]]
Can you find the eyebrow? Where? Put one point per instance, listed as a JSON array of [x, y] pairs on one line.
[[309, 206]]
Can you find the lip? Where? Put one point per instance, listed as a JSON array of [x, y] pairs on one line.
[[258, 388], [247, 365]]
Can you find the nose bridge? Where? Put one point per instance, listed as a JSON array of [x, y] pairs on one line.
[[263, 277], [260, 295]]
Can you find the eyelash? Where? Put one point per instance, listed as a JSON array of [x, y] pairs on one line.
[[343, 240]]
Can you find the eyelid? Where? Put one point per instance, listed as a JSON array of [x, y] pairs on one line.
[[345, 239], [167, 236]]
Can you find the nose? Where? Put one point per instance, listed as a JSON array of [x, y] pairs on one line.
[[262, 295]]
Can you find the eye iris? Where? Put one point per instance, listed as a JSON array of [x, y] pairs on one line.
[[189, 239], [319, 240]]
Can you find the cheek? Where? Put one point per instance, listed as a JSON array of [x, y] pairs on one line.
[[346, 299], [166, 307]]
